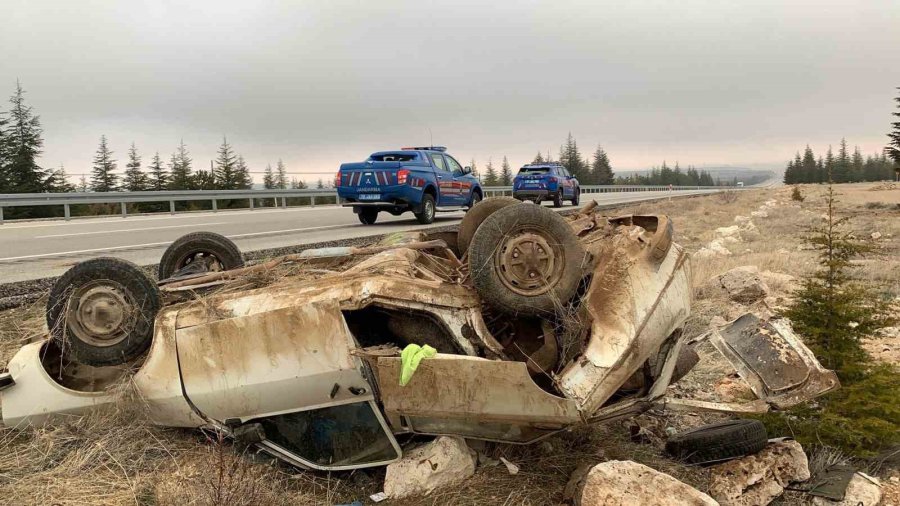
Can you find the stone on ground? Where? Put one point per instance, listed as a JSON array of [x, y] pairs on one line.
[[623, 482], [741, 284], [444, 461], [755, 480], [863, 490]]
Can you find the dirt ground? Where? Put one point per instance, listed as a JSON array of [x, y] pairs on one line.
[[119, 459]]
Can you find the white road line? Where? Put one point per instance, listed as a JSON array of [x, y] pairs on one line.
[[128, 230], [254, 234]]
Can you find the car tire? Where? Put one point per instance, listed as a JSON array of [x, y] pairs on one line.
[[577, 198], [426, 215], [476, 198], [525, 260], [101, 312], [476, 216], [219, 251], [367, 216], [718, 441], [558, 199]]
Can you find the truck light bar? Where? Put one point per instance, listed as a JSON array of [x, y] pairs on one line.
[[442, 149]]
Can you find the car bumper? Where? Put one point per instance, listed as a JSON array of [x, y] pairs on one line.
[[531, 194]]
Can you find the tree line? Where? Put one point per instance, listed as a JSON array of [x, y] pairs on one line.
[[844, 167]]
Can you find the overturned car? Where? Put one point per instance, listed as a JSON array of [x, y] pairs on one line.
[[540, 322]]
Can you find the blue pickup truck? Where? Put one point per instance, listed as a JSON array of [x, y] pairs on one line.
[[423, 180]]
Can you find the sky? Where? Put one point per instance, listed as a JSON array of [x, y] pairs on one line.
[[317, 83]]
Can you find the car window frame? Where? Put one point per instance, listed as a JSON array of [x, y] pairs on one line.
[[448, 159], [435, 165]]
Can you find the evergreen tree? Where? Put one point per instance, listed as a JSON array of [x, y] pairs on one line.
[[320, 185], [23, 145], [856, 165], [159, 178], [103, 177], [243, 178], [225, 170], [268, 177], [828, 165], [808, 171], [83, 184], [539, 158], [570, 158], [841, 170], [204, 180], [181, 175], [601, 171], [297, 184], [791, 175], [281, 180], [135, 180], [506, 176], [475, 170], [490, 176], [4, 154], [893, 148], [59, 181]]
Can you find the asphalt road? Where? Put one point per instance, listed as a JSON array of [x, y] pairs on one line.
[[40, 249]]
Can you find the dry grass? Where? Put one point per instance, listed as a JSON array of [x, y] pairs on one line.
[[118, 458]]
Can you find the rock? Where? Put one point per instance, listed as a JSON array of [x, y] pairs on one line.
[[863, 490], [444, 461], [740, 220], [733, 389], [759, 214], [757, 479], [713, 249], [741, 284], [875, 236], [732, 231], [619, 482]]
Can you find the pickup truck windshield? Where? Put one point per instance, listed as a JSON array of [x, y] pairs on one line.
[[525, 171], [394, 157]]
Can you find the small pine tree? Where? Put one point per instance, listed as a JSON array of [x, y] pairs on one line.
[[104, 178], [225, 170], [134, 180], [539, 158], [243, 179], [83, 184], [475, 170], [23, 143], [320, 185], [490, 175], [59, 181], [505, 173], [268, 177], [601, 171], [281, 179], [893, 148], [159, 178], [796, 195], [181, 175], [297, 184]]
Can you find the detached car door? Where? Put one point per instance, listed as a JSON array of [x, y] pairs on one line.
[[290, 374]]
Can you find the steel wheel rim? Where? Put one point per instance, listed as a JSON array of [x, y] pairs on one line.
[[529, 262], [211, 262], [429, 209], [100, 313]]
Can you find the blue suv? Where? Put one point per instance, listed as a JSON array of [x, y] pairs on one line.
[[546, 181]]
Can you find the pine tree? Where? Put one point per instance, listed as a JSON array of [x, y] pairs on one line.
[[23, 146], [474, 170], [490, 176], [103, 177], [828, 165], [59, 181], [83, 184], [539, 158], [242, 175], [808, 171], [281, 180], [841, 171], [601, 171], [159, 178], [204, 180], [268, 177], [570, 158], [320, 185], [134, 180], [505, 173], [856, 165], [4, 154], [791, 175], [225, 170], [181, 175], [893, 148], [297, 184]]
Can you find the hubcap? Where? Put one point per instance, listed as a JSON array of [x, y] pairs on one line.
[[100, 313], [528, 263], [429, 209]]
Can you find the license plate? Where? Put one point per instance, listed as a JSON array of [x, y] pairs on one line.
[[370, 196]]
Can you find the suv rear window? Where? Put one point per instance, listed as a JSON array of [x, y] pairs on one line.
[[394, 157], [526, 171]]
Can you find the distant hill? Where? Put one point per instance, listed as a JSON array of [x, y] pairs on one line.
[[747, 175]]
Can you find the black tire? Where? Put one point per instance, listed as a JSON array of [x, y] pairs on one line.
[[476, 216], [718, 441], [509, 284], [367, 215], [476, 198], [71, 297], [577, 197], [558, 199], [426, 215], [186, 249]]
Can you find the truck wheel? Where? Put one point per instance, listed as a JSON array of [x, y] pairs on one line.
[[558, 199], [718, 441], [367, 216], [207, 251], [101, 311], [525, 260], [426, 215], [476, 216], [476, 198], [577, 197]]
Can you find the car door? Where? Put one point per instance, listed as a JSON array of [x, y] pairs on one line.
[[568, 183], [462, 184], [446, 195]]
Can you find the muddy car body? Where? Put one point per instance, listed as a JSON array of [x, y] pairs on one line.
[[308, 368]]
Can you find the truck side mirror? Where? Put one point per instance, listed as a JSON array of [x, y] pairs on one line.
[[467, 170]]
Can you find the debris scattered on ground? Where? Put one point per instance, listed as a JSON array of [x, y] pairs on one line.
[[512, 468], [875, 236], [445, 461], [741, 284], [758, 479], [619, 482], [863, 490]]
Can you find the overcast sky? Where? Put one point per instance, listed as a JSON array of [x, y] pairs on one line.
[[318, 83]]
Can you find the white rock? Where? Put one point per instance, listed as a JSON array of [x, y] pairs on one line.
[[863, 490], [732, 231], [876, 235], [713, 249], [619, 482], [444, 461], [741, 284], [759, 214], [757, 479], [741, 219]]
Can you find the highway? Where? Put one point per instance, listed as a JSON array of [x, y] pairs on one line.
[[40, 249]]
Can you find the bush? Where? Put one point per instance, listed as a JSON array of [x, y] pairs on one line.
[[796, 195]]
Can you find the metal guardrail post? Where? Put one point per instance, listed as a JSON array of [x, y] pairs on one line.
[[124, 210], [312, 201], [251, 203], [172, 207], [1, 216], [215, 206], [67, 212]]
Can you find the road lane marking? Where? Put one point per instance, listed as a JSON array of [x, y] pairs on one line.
[[73, 234]]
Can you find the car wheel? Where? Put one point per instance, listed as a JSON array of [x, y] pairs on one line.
[[525, 260], [476, 216], [426, 215], [558, 199], [718, 441], [577, 197], [101, 312], [367, 216], [201, 252], [476, 198]]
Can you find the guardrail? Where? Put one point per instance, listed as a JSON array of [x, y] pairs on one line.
[[252, 196]]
